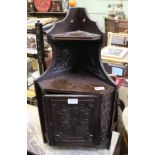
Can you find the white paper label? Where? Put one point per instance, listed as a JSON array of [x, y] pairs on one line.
[[72, 101], [99, 88]]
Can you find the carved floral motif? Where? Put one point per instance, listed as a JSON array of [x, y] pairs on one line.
[[73, 122]]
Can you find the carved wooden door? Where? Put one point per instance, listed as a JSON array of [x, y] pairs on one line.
[[73, 119]]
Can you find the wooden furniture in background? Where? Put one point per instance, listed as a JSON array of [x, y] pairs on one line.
[[47, 8], [112, 25]]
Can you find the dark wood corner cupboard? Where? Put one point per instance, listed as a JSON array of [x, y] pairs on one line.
[[76, 97]]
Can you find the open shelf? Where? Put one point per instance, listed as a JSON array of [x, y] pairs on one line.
[[76, 82], [75, 35], [47, 13], [59, 15]]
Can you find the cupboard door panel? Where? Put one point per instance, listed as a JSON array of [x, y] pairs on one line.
[[73, 119]]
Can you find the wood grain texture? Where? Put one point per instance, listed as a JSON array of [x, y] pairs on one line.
[[74, 73]]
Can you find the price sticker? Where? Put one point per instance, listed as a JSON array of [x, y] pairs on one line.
[[72, 101], [99, 88]]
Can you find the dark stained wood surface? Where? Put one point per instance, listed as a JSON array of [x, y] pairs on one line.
[[73, 124], [76, 35], [76, 82], [76, 70]]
